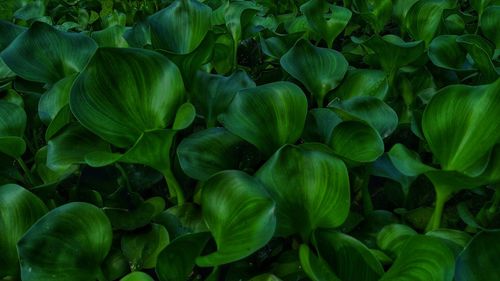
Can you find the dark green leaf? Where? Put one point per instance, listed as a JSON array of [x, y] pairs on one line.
[[479, 260]]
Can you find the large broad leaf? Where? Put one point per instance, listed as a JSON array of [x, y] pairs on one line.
[[349, 258], [69, 242], [190, 16], [12, 126], [461, 127], [57, 97], [110, 37], [320, 123], [9, 32], [325, 19], [125, 92], [363, 82], [267, 116], [177, 260], [240, 215], [19, 209], [375, 12], [45, 54], [213, 93], [315, 267], [310, 187], [489, 24], [393, 236], [424, 18], [445, 52], [422, 258], [319, 69], [481, 52], [143, 246], [207, 152], [479, 259]]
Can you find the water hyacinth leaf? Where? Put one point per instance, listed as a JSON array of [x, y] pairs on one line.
[[319, 69], [363, 82], [466, 127], [445, 52], [481, 52], [319, 125], [370, 110], [407, 161], [184, 117], [480, 5], [310, 187], [277, 45], [393, 236], [281, 106], [349, 258], [125, 92], [457, 240], [70, 147], [137, 276], [61, 119], [71, 240], [19, 209], [489, 24], [134, 218], [57, 97], [191, 16], [356, 141], [315, 267], [400, 8], [376, 12], [424, 18], [479, 260], [110, 37], [325, 19], [213, 93], [12, 125], [237, 15], [45, 54], [265, 277], [139, 35], [207, 152], [143, 246], [177, 260], [182, 219], [240, 215], [9, 32], [422, 258]]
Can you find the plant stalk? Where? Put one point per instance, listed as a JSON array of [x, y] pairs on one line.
[[27, 171], [442, 197], [174, 188]]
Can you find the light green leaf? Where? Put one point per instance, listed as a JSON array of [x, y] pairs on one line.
[[70, 241], [376, 12], [422, 258], [143, 246], [265, 277], [45, 54], [267, 116], [190, 16], [184, 117], [315, 268], [349, 258], [356, 141], [137, 276], [461, 127], [110, 37], [393, 236], [147, 89], [310, 187], [177, 260], [19, 209], [479, 259], [480, 5], [489, 24], [457, 240], [239, 214], [363, 82], [400, 8], [319, 69], [424, 18]]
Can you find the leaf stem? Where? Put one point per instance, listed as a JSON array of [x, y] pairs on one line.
[[174, 187], [442, 195], [26, 170]]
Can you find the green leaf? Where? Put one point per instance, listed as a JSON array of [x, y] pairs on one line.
[[325, 19], [422, 258], [190, 16], [239, 214], [489, 24], [207, 152], [71, 240], [316, 268], [237, 15], [184, 117], [392, 237], [480, 5], [177, 260], [319, 69], [19, 209], [146, 91], [57, 97], [182, 219], [12, 126], [9, 32], [356, 141], [424, 18], [479, 259], [143, 246], [267, 116], [461, 127], [363, 82], [213, 93], [137, 276], [310, 187], [110, 37], [45, 54], [481, 52], [376, 12], [349, 258], [369, 109], [265, 277], [134, 218], [407, 162], [445, 52], [320, 123]]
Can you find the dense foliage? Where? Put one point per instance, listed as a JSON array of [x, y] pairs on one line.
[[249, 140]]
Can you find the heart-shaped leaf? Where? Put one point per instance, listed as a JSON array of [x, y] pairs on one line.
[[281, 106], [319, 69], [478, 261], [240, 215], [70, 241], [363, 82], [45, 54], [190, 16], [310, 187], [19, 209]]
